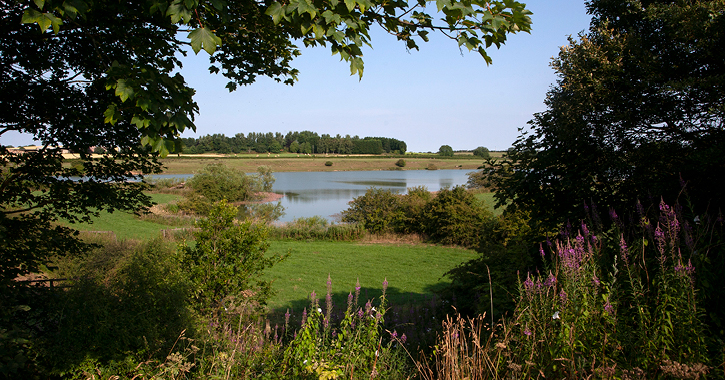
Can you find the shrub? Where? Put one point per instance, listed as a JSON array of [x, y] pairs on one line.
[[505, 250], [454, 216], [431, 167], [328, 163], [400, 163], [216, 182], [227, 260], [128, 301], [378, 210]]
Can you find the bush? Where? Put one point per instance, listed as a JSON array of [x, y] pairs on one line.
[[128, 301], [227, 260], [454, 216], [328, 163], [400, 163], [431, 167], [216, 182], [378, 210], [505, 250]]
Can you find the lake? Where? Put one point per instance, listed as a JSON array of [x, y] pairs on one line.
[[327, 193]]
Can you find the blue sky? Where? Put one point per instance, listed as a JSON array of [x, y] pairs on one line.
[[438, 95]]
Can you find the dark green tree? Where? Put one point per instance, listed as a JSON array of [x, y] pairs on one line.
[[445, 151], [481, 151], [637, 113]]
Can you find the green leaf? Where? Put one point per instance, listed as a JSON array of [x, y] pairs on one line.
[[123, 90], [350, 5], [442, 4], [111, 115], [44, 20], [39, 3], [277, 11], [356, 66], [177, 11], [202, 38]]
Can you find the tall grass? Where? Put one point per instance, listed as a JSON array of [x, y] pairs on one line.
[[317, 228]]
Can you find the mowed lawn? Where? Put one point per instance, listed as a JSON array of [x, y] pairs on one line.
[[412, 271]]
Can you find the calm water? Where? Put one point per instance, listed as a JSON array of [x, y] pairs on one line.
[[327, 193]]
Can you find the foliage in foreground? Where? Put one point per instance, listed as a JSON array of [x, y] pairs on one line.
[[227, 260]]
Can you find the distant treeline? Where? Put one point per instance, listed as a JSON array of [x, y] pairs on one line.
[[293, 142]]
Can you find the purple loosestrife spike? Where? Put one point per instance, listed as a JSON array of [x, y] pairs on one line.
[[624, 250], [585, 230], [660, 238], [403, 338], [349, 301], [609, 308], [286, 317], [357, 291], [304, 316], [595, 280], [541, 251], [385, 285], [640, 209], [562, 297], [394, 334], [613, 215]]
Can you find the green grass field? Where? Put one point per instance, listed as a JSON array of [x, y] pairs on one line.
[[412, 271], [126, 225]]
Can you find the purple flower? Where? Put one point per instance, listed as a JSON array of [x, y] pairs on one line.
[[529, 285], [595, 280], [394, 335], [624, 250], [286, 317], [403, 338], [550, 281], [385, 285], [541, 250], [609, 308], [304, 316], [585, 230], [562, 297], [527, 332], [613, 214], [349, 301]]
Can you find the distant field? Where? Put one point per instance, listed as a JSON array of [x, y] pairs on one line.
[[291, 163]]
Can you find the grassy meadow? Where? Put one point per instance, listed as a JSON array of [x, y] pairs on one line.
[[413, 271]]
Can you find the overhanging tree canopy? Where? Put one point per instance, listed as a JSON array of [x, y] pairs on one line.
[[637, 113], [78, 74]]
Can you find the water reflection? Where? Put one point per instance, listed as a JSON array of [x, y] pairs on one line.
[[328, 193]]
